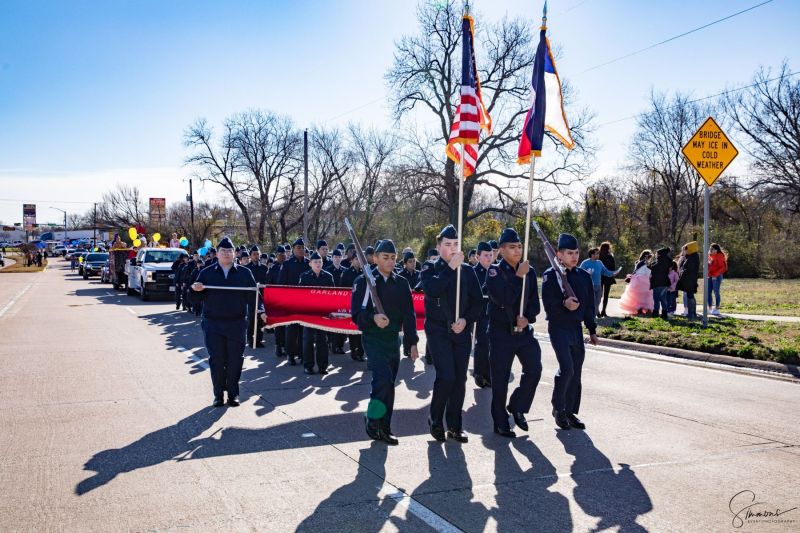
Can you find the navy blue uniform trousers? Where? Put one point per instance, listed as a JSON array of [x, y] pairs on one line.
[[383, 360], [315, 348], [225, 344], [504, 347], [570, 352], [451, 360], [481, 363]]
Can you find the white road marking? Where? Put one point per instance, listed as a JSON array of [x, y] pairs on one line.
[[109, 293], [417, 509], [308, 435], [131, 311], [10, 304]]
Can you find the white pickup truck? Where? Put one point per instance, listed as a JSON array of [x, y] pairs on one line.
[[150, 272]]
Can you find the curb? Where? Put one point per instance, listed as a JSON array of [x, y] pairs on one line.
[[753, 364]]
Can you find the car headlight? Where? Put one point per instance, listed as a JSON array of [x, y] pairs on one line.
[[149, 276]]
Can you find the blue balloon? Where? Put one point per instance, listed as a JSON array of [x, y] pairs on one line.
[[202, 251], [207, 244]]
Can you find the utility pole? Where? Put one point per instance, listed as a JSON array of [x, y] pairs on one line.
[[191, 210], [94, 226], [65, 221], [305, 186]]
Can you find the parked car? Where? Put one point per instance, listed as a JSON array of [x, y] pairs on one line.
[[150, 272], [60, 250], [92, 263]]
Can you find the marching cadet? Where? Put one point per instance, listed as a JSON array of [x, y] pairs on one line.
[[212, 256], [224, 320], [409, 271], [381, 337], [290, 273], [511, 334], [335, 269], [449, 336], [369, 253], [564, 317], [177, 271], [266, 260], [348, 280], [272, 279], [322, 250], [186, 281], [481, 371], [495, 250], [349, 254], [260, 274], [472, 258], [315, 341]]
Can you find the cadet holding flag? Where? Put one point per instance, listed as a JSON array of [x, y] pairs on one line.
[[381, 335], [511, 334], [449, 316]]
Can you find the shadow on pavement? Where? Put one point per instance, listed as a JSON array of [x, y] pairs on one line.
[[614, 495]]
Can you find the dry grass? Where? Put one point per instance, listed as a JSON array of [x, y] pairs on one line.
[[19, 265]]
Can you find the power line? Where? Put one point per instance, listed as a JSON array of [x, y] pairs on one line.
[[650, 47], [42, 201], [729, 91]]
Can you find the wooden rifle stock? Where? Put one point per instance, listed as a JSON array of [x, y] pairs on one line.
[[566, 288]]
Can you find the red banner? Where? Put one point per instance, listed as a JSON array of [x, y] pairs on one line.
[[320, 307]]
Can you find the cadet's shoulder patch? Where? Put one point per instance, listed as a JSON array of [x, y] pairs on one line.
[[354, 286], [545, 277], [492, 272], [425, 267]]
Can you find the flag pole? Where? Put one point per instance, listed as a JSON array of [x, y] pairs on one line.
[[527, 235], [460, 228]]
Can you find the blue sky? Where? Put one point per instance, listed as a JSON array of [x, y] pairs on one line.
[[94, 93]]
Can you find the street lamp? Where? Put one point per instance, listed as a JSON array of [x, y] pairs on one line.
[[65, 220]]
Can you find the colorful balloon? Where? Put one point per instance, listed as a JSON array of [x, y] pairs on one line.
[[184, 241], [132, 233], [207, 244], [156, 237], [137, 242], [202, 251]]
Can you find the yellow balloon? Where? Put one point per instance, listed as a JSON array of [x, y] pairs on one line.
[[132, 233], [156, 237], [137, 242]]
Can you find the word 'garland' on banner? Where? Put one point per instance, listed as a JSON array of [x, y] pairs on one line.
[[710, 151]]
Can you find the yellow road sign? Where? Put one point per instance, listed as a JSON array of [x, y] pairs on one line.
[[710, 151]]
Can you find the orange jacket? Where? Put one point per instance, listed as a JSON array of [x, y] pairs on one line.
[[717, 265]]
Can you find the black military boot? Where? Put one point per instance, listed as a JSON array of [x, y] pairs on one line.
[[561, 419], [575, 422]]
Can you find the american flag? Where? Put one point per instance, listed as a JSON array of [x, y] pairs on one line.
[[471, 115]]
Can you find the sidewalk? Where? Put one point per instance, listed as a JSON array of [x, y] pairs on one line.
[[613, 310]]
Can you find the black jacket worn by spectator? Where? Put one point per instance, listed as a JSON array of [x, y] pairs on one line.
[[553, 300], [611, 264], [659, 270], [688, 270]]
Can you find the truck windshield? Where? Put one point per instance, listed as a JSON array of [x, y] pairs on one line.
[[96, 258], [162, 256]]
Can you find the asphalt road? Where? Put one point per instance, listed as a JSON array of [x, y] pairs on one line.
[[107, 426]]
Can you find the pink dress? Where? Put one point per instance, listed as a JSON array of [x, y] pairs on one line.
[[638, 294]]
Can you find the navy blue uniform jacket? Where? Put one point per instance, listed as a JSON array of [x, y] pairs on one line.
[[553, 299], [505, 288], [222, 305], [309, 279], [395, 295], [438, 282], [291, 270]]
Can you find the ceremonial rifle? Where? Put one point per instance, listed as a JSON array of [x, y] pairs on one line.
[[566, 288], [365, 266]]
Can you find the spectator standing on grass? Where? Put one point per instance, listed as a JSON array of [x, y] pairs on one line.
[[638, 296], [659, 282], [688, 270], [597, 270], [717, 266], [672, 293], [607, 258]]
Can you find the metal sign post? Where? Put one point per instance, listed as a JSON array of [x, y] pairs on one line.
[[710, 152]]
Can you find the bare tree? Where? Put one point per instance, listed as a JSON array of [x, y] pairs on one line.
[[768, 115], [217, 164], [662, 171], [425, 81], [122, 206], [179, 218]]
